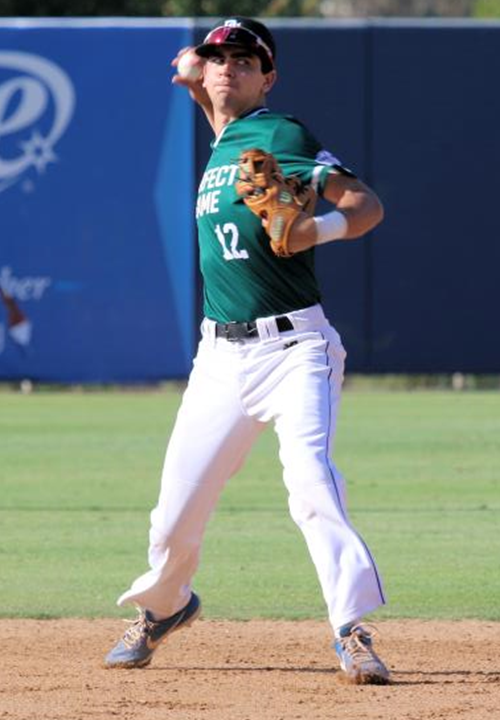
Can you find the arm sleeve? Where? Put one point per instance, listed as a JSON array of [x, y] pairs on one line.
[[299, 153]]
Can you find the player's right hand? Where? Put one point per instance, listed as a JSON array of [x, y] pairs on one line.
[[195, 87]]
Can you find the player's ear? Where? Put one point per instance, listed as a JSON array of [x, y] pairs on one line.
[[269, 80]]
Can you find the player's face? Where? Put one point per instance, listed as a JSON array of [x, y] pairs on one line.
[[234, 80]]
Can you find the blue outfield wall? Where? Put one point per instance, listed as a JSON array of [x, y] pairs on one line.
[[100, 154], [435, 154], [96, 197]]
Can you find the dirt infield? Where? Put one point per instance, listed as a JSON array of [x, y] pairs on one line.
[[259, 670]]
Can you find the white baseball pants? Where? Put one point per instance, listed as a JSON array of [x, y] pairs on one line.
[[294, 379]]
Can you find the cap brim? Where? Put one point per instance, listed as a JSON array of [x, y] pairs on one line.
[[206, 50]]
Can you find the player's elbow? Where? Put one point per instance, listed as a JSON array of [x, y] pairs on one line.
[[369, 212], [378, 211], [374, 213]]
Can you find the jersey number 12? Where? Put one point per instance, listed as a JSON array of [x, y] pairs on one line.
[[228, 237]]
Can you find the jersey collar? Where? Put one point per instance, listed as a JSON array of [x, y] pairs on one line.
[[254, 112], [250, 113]]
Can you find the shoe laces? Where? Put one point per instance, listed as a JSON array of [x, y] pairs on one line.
[[359, 642], [139, 628]]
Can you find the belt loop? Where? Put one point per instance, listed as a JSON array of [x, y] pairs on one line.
[[208, 330], [267, 328]]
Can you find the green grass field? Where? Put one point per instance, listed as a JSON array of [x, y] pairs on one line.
[[79, 474]]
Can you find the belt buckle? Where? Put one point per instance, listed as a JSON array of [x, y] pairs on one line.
[[237, 331], [231, 331]]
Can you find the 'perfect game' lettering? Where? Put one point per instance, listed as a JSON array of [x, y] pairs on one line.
[[211, 184]]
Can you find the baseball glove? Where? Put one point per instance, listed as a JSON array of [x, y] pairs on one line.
[[277, 200]]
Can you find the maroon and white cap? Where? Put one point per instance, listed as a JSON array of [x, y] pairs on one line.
[[245, 32]]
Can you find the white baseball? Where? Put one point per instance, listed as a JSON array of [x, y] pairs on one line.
[[190, 66]]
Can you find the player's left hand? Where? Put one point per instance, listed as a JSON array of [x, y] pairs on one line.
[[278, 201]]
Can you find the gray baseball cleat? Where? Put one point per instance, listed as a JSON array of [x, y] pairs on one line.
[[137, 646], [358, 660]]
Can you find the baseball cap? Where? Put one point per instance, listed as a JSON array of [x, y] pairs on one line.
[[243, 31]]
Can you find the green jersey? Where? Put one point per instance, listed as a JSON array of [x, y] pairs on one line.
[[243, 278]]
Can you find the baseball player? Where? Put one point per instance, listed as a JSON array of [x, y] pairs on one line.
[[267, 352]]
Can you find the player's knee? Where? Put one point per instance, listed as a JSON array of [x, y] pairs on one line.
[[301, 477]]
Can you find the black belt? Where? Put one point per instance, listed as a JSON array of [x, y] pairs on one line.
[[234, 331]]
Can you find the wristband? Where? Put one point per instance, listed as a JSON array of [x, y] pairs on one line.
[[332, 226]]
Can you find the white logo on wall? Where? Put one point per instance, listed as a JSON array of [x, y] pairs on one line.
[[36, 105], [14, 292], [29, 287]]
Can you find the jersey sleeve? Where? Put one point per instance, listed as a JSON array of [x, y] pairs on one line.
[[299, 153]]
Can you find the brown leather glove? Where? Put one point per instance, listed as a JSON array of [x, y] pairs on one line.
[[277, 200]]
